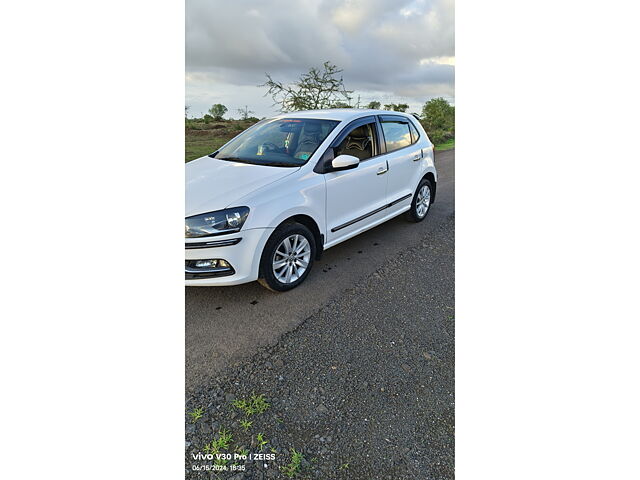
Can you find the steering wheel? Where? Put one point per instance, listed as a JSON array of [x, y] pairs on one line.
[[269, 147]]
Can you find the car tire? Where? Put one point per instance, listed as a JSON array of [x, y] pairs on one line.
[[282, 264], [418, 212]]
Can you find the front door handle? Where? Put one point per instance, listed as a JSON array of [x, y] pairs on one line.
[[417, 157], [382, 171]]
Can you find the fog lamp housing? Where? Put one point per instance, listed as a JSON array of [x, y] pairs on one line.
[[208, 267], [212, 263]]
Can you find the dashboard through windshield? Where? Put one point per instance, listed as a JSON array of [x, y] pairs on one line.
[[284, 142]]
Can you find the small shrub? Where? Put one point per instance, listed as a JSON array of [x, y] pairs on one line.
[[437, 136], [261, 441], [294, 466], [223, 441], [196, 414], [217, 111], [255, 404]]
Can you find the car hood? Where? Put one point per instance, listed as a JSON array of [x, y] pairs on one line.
[[213, 184]]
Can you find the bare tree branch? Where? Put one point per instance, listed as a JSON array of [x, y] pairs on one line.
[[314, 90]]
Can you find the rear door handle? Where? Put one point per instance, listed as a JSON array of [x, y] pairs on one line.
[[382, 170], [417, 157]]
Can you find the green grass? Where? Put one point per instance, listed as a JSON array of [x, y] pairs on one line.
[[196, 414], [223, 441], [447, 145], [253, 405], [242, 451], [201, 138], [198, 143], [294, 466], [246, 424], [261, 441]]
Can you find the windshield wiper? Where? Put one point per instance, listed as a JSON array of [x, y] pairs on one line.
[[279, 164], [265, 163], [235, 159]]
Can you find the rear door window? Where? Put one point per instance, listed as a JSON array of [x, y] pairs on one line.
[[396, 135], [414, 134]]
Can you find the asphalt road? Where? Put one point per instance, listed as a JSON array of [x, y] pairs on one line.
[[225, 325], [363, 389]]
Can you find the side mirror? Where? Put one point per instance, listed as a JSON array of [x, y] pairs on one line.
[[344, 162]]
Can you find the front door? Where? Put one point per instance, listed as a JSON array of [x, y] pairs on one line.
[[357, 197]]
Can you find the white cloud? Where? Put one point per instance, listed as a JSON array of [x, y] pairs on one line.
[[438, 61], [402, 50]]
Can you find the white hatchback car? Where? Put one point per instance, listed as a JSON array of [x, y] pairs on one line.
[[265, 205]]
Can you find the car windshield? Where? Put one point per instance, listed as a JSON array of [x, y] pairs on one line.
[[283, 142]]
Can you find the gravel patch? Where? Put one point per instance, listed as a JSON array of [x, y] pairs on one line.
[[363, 389]]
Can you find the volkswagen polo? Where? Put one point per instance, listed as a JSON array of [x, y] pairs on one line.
[[268, 203]]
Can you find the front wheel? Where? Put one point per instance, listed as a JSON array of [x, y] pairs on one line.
[[421, 201], [287, 257]]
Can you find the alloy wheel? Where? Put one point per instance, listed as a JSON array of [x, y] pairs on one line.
[[291, 258], [423, 201]]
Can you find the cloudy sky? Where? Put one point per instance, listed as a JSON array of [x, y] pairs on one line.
[[399, 51]]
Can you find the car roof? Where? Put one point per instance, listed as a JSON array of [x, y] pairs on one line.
[[340, 114]]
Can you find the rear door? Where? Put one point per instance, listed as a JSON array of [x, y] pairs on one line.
[[403, 155]]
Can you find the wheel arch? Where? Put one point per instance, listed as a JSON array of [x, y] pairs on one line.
[[311, 224], [302, 219], [432, 178]]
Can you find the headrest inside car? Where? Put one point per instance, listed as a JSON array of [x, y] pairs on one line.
[[357, 143]]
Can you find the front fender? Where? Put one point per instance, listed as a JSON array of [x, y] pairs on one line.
[[303, 194]]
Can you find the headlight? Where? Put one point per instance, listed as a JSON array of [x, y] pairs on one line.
[[215, 223]]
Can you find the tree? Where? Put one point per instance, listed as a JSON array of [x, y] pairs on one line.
[[186, 111], [318, 88], [374, 105], [217, 111], [397, 107], [245, 113], [438, 115]]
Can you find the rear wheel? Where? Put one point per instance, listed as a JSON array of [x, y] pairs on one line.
[[287, 257], [421, 201]]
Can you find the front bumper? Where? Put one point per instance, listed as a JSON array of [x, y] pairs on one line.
[[243, 256]]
